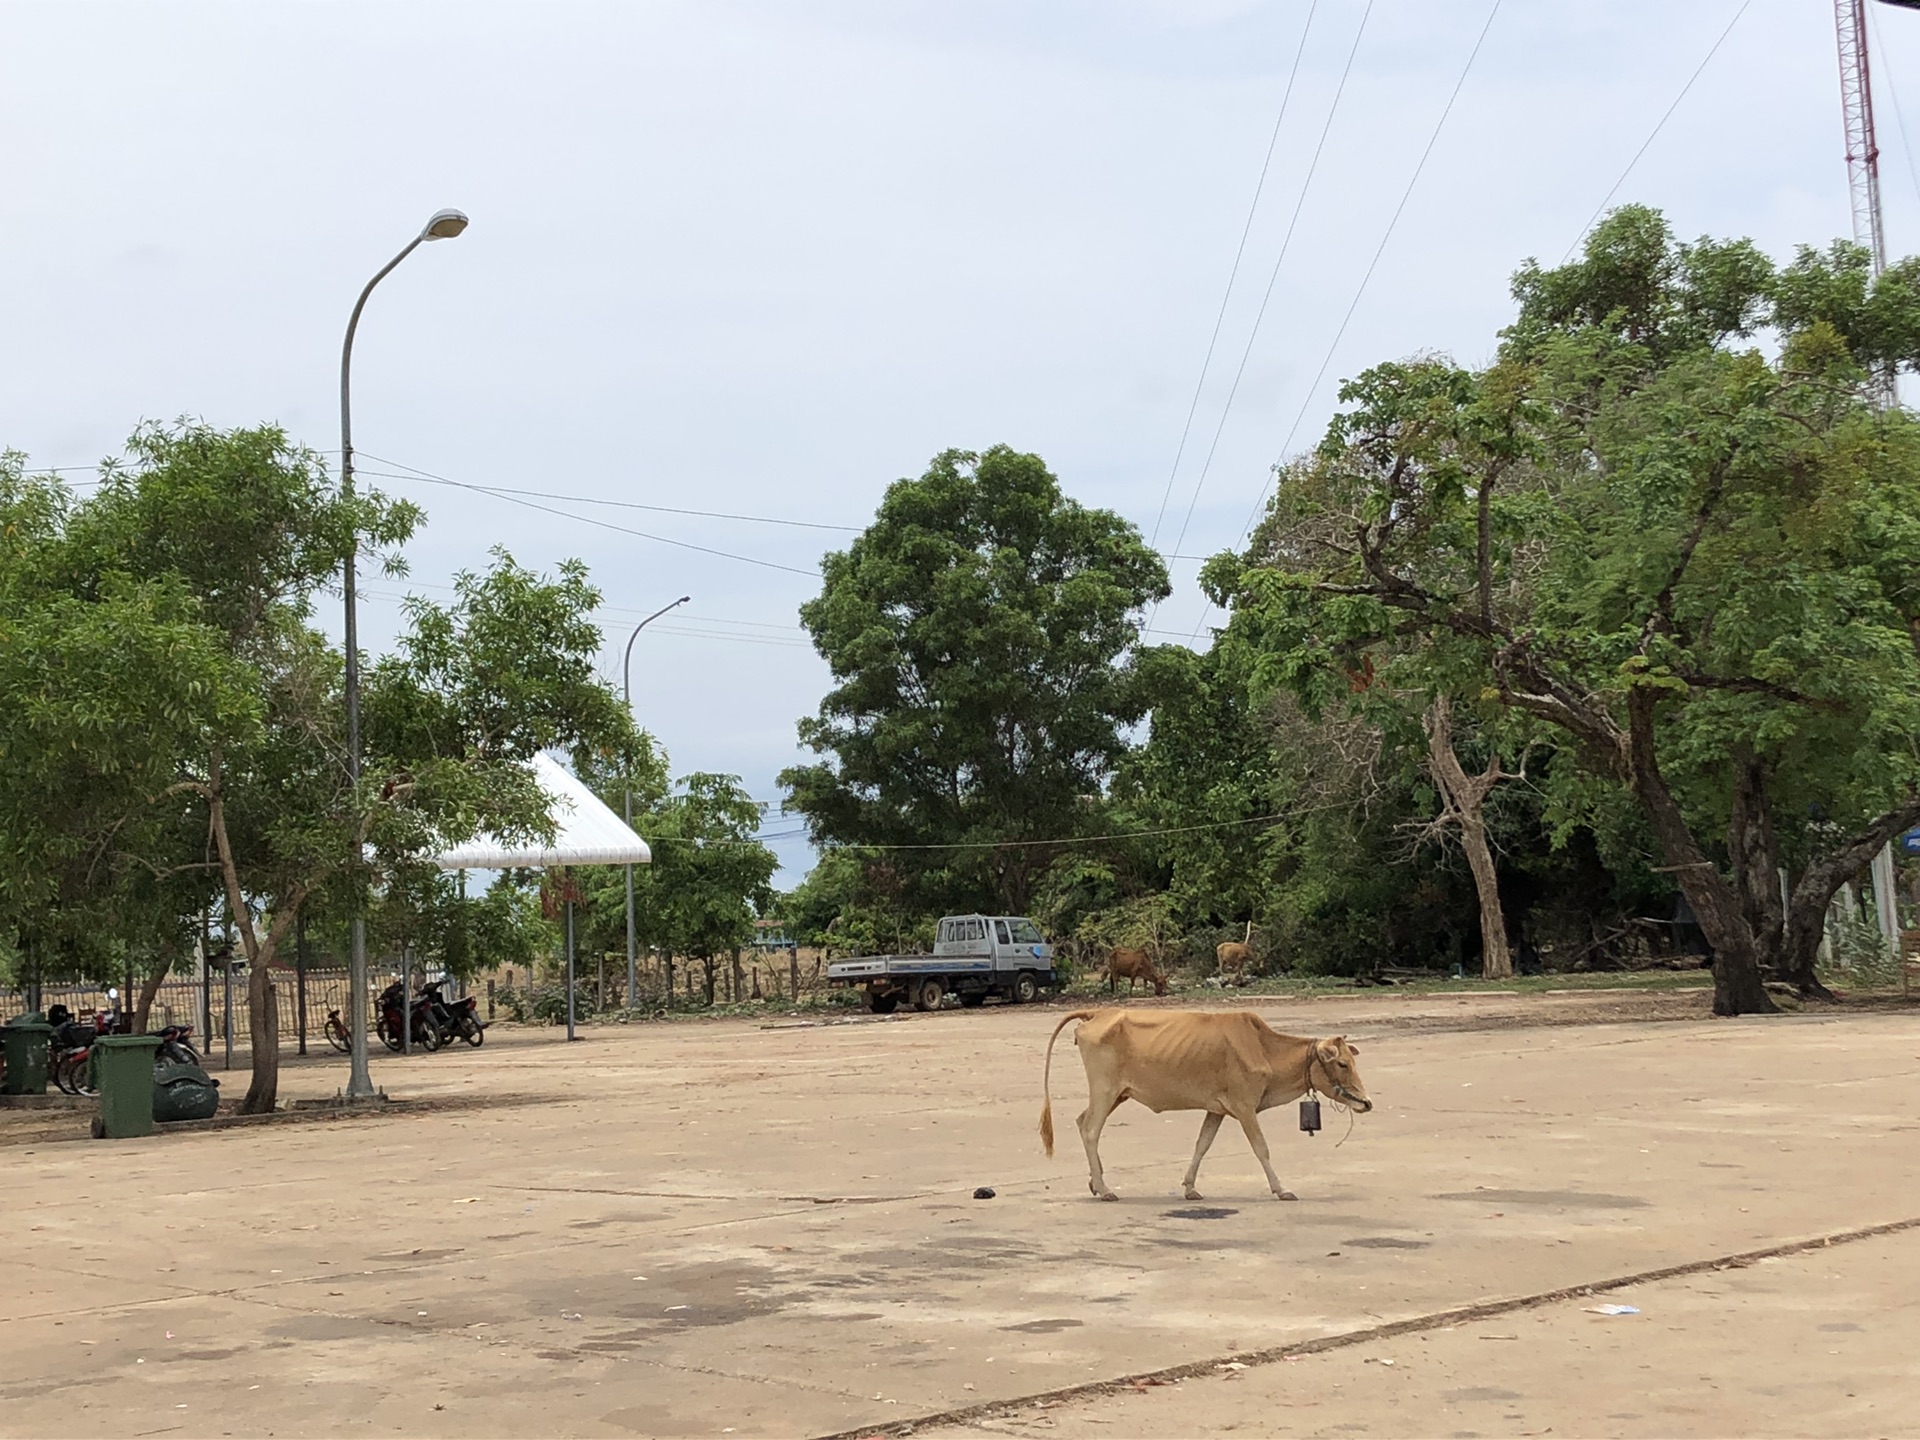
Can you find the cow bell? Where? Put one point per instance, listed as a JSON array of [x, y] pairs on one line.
[[1310, 1114]]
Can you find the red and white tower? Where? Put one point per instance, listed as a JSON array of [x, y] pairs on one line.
[[1863, 149]]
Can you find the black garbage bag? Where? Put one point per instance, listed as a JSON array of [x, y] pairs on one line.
[[183, 1092]]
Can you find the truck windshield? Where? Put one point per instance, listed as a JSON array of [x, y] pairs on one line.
[[1025, 932]]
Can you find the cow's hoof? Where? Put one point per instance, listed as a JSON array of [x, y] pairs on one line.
[[1193, 1194], [1285, 1195], [1105, 1195]]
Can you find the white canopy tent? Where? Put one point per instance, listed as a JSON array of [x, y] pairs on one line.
[[586, 832]]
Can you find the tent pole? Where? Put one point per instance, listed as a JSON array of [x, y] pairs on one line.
[[570, 1034]]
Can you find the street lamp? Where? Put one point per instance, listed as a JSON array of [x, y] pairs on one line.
[[626, 681], [443, 225]]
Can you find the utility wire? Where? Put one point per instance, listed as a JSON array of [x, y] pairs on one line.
[[1654, 133], [413, 474], [781, 641], [1893, 91], [425, 477], [1285, 244], [1234, 273], [1274, 818], [692, 615], [403, 471], [1373, 265]]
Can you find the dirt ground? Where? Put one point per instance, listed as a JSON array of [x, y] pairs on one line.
[[743, 1228]]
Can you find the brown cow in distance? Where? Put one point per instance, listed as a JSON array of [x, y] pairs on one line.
[[1222, 1062], [1235, 957], [1133, 966]]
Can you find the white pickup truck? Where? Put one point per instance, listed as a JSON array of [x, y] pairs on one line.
[[974, 956]]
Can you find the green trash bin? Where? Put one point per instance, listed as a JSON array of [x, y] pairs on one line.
[[123, 1069], [26, 1041]]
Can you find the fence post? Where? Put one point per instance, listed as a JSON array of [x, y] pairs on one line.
[[206, 983], [300, 979], [570, 1034]]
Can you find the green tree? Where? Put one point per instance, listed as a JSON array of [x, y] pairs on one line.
[[982, 636], [102, 692], [199, 558], [1207, 775], [1686, 558], [710, 877]]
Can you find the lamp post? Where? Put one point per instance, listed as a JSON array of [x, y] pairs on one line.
[[626, 681], [444, 225]]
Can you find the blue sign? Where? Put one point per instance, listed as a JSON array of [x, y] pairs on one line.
[[1910, 843]]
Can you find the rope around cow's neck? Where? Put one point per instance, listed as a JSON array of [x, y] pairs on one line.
[[1342, 1097]]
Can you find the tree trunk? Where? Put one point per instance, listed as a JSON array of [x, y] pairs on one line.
[[1800, 949], [263, 1014], [1737, 986], [706, 964], [1496, 959], [1755, 854], [263, 1024], [1813, 895], [149, 989], [1465, 799]]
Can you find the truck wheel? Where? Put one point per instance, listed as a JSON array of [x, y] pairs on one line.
[[1026, 989], [881, 1004], [929, 996]]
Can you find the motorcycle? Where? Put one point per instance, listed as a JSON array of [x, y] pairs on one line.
[[459, 1018], [425, 1031], [70, 1059], [175, 1046]]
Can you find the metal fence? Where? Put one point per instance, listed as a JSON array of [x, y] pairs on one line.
[[218, 1010], [216, 1005]]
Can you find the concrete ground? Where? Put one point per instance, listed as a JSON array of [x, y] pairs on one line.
[[725, 1228]]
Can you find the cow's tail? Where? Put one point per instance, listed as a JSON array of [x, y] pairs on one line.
[[1046, 1082]]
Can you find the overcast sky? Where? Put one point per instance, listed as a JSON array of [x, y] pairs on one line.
[[764, 258]]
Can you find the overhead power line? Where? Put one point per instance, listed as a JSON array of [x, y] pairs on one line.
[[1233, 274], [1361, 290], [1273, 277], [431, 479], [792, 642], [1653, 134], [1272, 819], [1893, 93], [411, 474]]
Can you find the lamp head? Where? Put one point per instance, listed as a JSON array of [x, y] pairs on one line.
[[444, 225]]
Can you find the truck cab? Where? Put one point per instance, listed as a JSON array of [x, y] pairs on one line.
[[1011, 942], [974, 956]]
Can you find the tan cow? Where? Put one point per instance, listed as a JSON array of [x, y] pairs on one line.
[[1132, 966], [1222, 1062], [1235, 957]]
